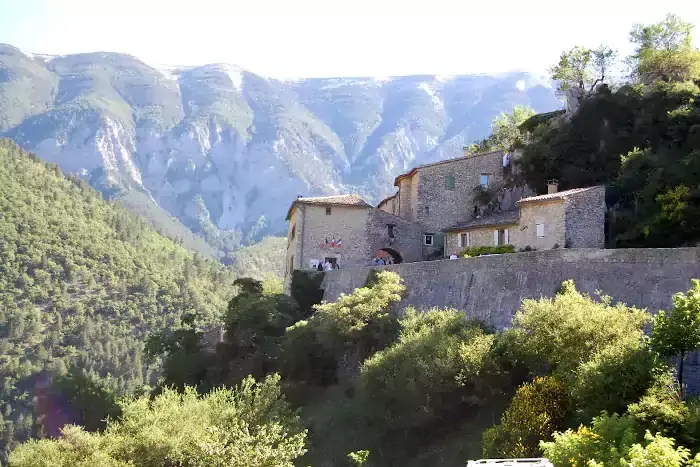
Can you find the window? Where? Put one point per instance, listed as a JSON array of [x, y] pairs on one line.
[[294, 232], [485, 180], [427, 210], [500, 237], [428, 239], [450, 182], [328, 210], [463, 240], [390, 228], [540, 230]]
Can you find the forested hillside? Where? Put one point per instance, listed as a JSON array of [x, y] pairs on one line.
[[82, 282]]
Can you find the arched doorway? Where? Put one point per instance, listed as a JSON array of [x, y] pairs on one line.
[[385, 253]]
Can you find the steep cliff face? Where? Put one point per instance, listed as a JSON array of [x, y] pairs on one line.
[[224, 150]]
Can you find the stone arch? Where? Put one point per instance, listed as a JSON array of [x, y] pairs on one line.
[[394, 254]]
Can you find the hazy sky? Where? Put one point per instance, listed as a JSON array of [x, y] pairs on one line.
[[334, 37]]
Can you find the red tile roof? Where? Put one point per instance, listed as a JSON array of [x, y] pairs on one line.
[[351, 200]]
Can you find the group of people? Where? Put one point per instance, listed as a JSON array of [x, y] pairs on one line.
[[327, 266], [382, 261]]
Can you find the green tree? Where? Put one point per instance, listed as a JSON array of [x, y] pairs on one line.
[[90, 399], [678, 332], [583, 68], [248, 426], [562, 332], [664, 51], [537, 410], [505, 131], [441, 364]]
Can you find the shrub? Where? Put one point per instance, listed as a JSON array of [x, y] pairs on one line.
[[537, 410], [440, 365], [361, 321], [473, 251], [344, 332], [606, 441], [614, 377], [678, 332], [563, 332], [248, 426], [662, 410]]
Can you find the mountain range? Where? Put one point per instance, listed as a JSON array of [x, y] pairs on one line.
[[220, 152]]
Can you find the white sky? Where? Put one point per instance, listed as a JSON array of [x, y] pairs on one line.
[[334, 38]]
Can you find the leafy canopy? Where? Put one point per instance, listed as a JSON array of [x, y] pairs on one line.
[[250, 425], [582, 68], [505, 131], [664, 51]]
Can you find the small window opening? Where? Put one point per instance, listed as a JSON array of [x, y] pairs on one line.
[[390, 228], [428, 240], [328, 210], [484, 180]]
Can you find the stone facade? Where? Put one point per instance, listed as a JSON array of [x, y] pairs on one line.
[[441, 194], [348, 231], [493, 287], [390, 204], [408, 237], [436, 198], [550, 215], [585, 219], [568, 219]]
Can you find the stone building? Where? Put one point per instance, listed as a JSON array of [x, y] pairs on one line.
[[440, 208], [560, 219], [347, 231]]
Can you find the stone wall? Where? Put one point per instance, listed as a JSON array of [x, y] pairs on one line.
[[408, 236], [348, 223], [585, 219], [450, 206], [480, 236], [551, 213], [493, 287]]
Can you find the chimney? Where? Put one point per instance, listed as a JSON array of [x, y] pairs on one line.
[[552, 186], [466, 151]]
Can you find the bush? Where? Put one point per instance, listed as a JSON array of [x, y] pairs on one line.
[[614, 377], [341, 334], [615, 440], [473, 251], [360, 322], [537, 410], [606, 441], [561, 333], [662, 410], [440, 365], [248, 426]]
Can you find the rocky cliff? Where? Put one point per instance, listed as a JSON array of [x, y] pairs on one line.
[[224, 150]]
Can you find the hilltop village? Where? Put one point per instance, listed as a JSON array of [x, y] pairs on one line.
[[440, 209]]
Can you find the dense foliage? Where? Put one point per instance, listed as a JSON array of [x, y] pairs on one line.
[[248, 426], [506, 134], [639, 137], [678, 332], [82, 282]]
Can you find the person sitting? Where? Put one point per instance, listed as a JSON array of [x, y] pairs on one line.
[[320, 266]]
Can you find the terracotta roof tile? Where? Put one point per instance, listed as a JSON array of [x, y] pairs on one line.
[[557, 195], [336, 200]]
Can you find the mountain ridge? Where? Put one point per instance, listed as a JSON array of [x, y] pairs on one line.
[[223, 149]]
